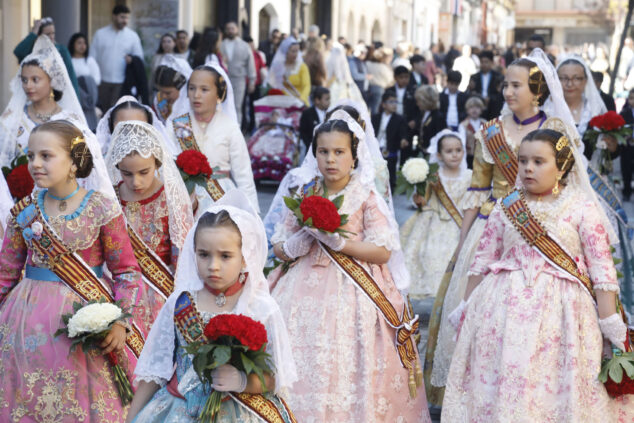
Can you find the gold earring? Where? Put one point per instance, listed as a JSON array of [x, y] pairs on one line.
[[535, 101], [71, 174], [52, 95], [556, 189]]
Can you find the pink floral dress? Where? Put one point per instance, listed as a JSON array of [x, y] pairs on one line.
[[530, 347], [150, 220], [347, 363], [42, 381]]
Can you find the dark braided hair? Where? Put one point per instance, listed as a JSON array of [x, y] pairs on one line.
[[341, 126]]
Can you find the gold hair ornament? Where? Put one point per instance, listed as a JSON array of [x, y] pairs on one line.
[[562, 143], [79, 155]]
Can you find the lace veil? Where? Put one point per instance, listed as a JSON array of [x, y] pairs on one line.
[[278, 65], [157, 359], [593, 104], [143, 138], [433, 146], [228, 105], [365, 174], [50, 61], [6, 201], [181, 105], [103, 127]]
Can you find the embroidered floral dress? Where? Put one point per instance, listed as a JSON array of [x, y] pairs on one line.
[[347, 364], [487, 186], [429, 237], [149, 219], [530, 347], [166, 407], [42, 381]]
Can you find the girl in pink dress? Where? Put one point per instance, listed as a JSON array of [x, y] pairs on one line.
[[531, 342], [42, 380], [155, 203], [349, 367]]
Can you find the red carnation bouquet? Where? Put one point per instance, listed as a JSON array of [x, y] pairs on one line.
[[608, 124], [195, 169], [617, 373], [232, 339], [317, 211], [18, 177]]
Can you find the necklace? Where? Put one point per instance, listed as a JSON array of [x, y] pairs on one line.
[[541, 115], [221, 297], [44, 117], [62, 201]]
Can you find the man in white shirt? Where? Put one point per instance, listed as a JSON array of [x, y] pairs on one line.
[[240, 65], [113, 47]]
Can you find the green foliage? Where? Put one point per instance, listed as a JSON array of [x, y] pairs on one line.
[[621, 362]]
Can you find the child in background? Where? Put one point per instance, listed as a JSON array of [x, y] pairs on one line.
[[471, 125], [431, 235]]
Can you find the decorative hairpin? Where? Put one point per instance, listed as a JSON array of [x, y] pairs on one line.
[[561, 143], [77, 140]]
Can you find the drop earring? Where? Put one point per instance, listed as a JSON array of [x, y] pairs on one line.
[[535, 101], [556, 189]]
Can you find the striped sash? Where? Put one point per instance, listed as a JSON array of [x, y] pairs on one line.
[[405, 326], [503, 156], [190, 324], [185, 135], [447, 202], [606, 192], [517, 211], [67, 265], [155, 272]]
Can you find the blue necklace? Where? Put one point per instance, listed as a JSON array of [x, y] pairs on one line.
[[62, 201]]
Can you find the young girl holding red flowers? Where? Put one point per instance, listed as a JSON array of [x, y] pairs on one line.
[[220, 271], [352, 367]]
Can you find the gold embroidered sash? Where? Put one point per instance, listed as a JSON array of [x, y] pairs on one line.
[[447, 202], [67, 265], [536, 236], [185, 134], [189, 323], [503, 156], [156, 273], [405, 326]]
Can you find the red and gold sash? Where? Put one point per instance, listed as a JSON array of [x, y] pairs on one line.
[[447, 202], [536, 236], [155, 272], [185, 134], [190, 324], [405, 326], [67, 265], [503, 156]]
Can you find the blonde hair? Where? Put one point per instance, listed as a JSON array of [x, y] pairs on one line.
[[428, 97], [474, 102]]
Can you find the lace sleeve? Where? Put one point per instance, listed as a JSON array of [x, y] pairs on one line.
[[12, 258], [376, 228], [596, 249], [285, 228], [491, 243], [481, 178]]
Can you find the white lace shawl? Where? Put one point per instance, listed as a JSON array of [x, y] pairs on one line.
[[131, 136], [156, 363]]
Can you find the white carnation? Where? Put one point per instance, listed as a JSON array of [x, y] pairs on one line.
[[415, 170], [93, 318]]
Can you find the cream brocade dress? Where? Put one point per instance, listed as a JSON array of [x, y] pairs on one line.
[[530, 347], [429, 238]]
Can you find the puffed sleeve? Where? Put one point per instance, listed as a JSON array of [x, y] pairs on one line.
[[481, 178], [376, 228], [491, 243], [119, 258], [12, 258], [241, 166], [596, 249], [286, 227]]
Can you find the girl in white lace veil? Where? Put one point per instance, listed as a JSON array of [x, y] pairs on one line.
[[593, 104], [156, 363], [339, 79], [143, 138], [49, 60], [104, 132], [227, 106], [433, 146], [181, 105]]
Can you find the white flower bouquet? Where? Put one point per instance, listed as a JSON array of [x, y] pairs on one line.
[[87, 326], [415, 175]]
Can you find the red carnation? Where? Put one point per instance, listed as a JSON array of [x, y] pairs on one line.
[[247, 331], [615, 390], [596, 122], [193, 163], [322, 211], [275, 91], [20, 181]]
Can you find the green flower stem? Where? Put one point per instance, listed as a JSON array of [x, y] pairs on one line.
[[211, 408]]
